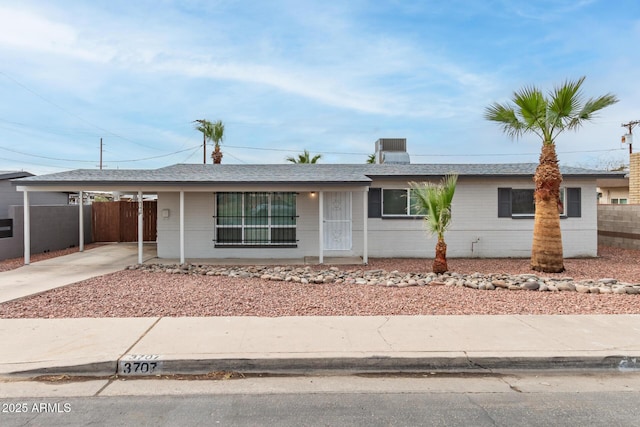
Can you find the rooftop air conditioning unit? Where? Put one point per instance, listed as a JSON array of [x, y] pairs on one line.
[[392, 150], [391, 144]]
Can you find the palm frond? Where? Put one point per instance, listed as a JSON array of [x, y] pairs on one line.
[[505, 115], [547, 117], [217, 132], [434, 202], [305, 157], [590, 108], [532, 106]]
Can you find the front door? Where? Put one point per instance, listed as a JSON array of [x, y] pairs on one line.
[[337, 221]]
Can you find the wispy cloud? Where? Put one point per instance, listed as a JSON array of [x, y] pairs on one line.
[[300, 74]]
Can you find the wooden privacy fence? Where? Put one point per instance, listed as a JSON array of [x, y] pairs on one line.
[[118, 221]]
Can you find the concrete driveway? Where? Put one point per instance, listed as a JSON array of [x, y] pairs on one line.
[[64, 270]]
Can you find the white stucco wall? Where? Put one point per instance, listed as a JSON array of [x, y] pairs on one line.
[[476, 230]]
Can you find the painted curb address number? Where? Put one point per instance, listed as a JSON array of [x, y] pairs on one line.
[[139, 364]]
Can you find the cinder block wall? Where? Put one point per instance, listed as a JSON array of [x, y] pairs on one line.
[[52, 228], [619, 226], [634, 178]]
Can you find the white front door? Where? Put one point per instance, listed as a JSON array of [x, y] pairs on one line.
[[337, 221]]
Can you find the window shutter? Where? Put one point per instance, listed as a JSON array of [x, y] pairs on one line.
[[574, 207], [504, 203], [375, 203]]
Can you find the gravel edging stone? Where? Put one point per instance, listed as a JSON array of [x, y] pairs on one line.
[[379, 277]]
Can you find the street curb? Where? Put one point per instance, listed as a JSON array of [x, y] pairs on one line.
[[352, 365], [95, 369]]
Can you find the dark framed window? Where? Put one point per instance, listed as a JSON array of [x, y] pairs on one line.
[[255, 219], [619, 201], [522, 202], [519, 203], [398, 203]]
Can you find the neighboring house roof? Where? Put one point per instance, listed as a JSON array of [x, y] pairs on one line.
[[360, 174], [13, 174]]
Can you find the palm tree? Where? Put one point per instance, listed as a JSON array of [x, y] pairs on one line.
[[371, 159], [211, 131], [434, 201], [217, 135], [547, 117], [305, 157]]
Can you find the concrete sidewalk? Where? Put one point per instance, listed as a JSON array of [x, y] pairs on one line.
[[53, 273], [292, 345], [298, 345]]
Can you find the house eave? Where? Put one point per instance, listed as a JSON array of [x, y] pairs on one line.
[[159, 186]]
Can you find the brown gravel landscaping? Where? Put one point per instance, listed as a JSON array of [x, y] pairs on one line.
[[134, 293]]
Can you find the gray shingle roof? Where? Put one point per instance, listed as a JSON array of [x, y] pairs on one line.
[[358, 174], [13, 174], [473, 169]]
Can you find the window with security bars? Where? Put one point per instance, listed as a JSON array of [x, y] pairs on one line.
[[256, 219]]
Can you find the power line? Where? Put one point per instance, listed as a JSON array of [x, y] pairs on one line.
[[157, 157], [71, 113], [195, 150], [45, 157], [284, 150], [424, 155], [93, 161], [237, 158], [32, 163], [512, 154]]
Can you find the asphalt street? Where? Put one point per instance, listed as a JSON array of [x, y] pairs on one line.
[[508, 399]]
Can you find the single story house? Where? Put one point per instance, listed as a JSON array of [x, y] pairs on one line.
[[284, 211], [613, 191]]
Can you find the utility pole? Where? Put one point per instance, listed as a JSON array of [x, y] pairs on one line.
[[203, 122], [630, 126], [100, 153]]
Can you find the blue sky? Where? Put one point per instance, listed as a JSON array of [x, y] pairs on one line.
[[287, 75]]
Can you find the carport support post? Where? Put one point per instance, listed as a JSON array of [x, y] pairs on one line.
[[321, 226], [27, 228], [140, 227], [182, 227], [81, 220], [365, 221]]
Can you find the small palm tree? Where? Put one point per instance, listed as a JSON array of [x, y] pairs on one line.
[[211, 131], [434, 201], [371, 159], [217, 135], [305, 157], [547, 117]]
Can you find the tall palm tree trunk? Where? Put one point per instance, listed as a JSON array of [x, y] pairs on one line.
[[546, 251], [440, 262], [216, 155]]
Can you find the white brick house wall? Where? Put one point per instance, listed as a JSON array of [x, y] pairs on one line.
[[476, 229]]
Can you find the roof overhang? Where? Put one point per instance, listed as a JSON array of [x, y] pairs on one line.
[[192, 187]]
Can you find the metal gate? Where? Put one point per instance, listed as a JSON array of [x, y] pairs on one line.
[[337, 221]]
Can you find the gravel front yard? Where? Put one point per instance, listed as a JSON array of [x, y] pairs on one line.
[[135, 293]]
